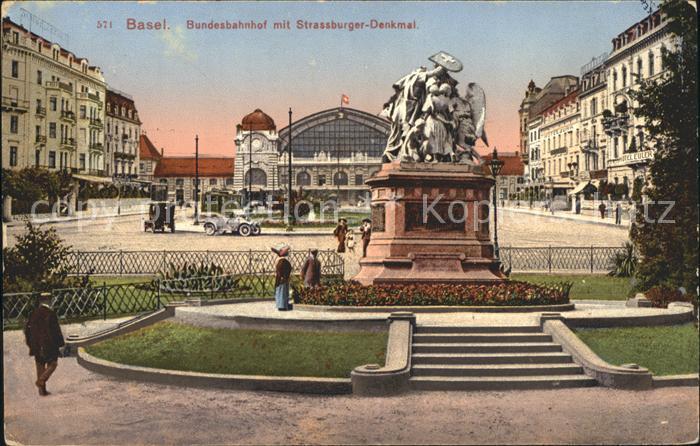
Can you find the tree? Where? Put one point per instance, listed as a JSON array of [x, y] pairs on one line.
[[669, 251], [38, 262]]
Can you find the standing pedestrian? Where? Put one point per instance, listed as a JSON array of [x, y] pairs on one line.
[[366, 235], [283, 269], [44, 339], [601, 209], [350, 241], [311, 270], [340, 232], [618, 213]]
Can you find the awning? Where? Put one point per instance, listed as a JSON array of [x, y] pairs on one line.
[[92, 178], [580, 187]]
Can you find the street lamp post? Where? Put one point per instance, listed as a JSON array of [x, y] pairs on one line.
[[290, 208], [496, 165], [196, 179], [250, 165]]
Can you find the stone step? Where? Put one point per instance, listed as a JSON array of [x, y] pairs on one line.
[[500, 382], [489, 347], [471, 329], [491, 358], [463, 338], [496, 369]]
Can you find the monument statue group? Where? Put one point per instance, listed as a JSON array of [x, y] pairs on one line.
[[430, 200], [430, 121]]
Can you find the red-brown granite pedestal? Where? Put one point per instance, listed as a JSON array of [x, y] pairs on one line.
[[430, 224]]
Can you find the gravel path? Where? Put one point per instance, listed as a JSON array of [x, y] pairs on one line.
[[87, 408]]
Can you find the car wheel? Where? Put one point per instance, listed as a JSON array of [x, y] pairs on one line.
[[244, 230], [256, 230], [210, 229]]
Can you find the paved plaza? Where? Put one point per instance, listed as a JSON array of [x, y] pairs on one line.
[[87, 408]]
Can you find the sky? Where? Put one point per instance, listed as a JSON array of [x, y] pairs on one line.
[[201, 81]]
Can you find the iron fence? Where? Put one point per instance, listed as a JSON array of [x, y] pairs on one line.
[[593, 259], [232, 262]]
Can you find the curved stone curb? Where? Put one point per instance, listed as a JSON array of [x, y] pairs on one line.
[[73, 343], [606, 374], [437, 308], [268, 323], [373, 380], [676, 315], [676, 381], [327, 386]]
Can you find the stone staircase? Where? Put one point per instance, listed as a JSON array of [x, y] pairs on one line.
[[491, 358]]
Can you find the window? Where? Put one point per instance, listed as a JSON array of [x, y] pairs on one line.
[[83, 113], [52, 129], [594, 107], [212, 181], [52, 159], [14, 124], [163, 181], [303, 179], [38, 77], [15, 37], [37, 158], [52, 102], [37, 131], [359, 179], [82, 161], [614, 79], [639, 69], [15, 69], [142, 167], [651, 64], [624, 76], [179, 182], [340, 178], [321, 180], [13, 156], [194, 181], [229, 181]]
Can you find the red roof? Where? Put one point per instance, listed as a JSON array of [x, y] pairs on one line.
[[147, 151], [185, 167], [257, 120], [513, 163]]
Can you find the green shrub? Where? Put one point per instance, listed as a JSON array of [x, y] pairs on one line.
[[661, 295], [624, 263]]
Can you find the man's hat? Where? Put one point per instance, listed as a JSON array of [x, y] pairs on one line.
[[313, 251], [281, 250], [366, 220], [45, 297]]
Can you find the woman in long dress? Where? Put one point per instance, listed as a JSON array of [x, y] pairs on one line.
[[438, 144]]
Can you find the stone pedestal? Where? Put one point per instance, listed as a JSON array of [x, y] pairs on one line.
[[430, 224]]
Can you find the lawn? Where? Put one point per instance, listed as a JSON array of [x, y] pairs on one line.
[[664, 350], [585, 286], [175, 346]]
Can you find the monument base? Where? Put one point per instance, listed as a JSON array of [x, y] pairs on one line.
[[430, 224]]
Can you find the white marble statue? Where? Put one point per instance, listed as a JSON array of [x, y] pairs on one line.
[[430, 121]]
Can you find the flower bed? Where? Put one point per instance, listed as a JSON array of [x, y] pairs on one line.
[[511, 293]]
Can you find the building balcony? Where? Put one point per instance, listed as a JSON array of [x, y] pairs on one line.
[[40, 139], [96, 122], [41, 111], [68, 143], [57, 85], [14, 104], [95, 172], [97, 146], [68, 116]]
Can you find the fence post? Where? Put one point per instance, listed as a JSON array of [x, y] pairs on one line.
[[250, 262], [77, 256], [510, 258], [121, 262], [549, 258], [211, 285], [163, 267], [158, 295], [591, 259], [104, 300]]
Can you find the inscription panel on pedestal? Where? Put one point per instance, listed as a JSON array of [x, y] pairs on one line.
[[378, 218], [442, 217]]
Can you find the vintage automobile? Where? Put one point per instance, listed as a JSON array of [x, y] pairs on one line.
[[161, 214], [219, 224]]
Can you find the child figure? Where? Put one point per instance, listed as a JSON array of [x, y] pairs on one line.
[[350, 240]]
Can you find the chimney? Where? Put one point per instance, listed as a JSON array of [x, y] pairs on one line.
[[161, 151]]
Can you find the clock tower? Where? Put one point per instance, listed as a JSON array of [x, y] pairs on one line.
[[256, 156]]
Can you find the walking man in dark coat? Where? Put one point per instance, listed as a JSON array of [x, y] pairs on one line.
[[44, 338], [618, 213], [340, 232], [366, 235], [311, 270]]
